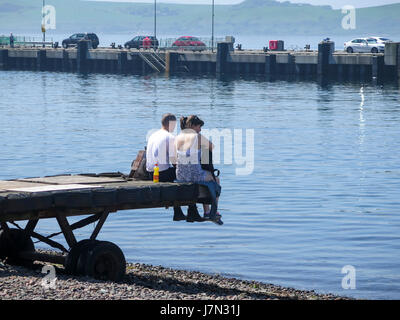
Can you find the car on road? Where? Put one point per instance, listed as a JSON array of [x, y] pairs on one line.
[[76, 37], [364, 45], [137, 42], [189, 43]]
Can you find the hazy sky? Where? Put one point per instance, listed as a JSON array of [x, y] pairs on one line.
[[334, 3]]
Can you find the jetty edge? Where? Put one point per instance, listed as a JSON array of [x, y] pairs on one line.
[[94, 195], [324, 63]]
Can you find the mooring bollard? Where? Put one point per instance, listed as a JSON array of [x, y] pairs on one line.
[[41, 62], [222, 57], [325, 51], [4, 59], [122, 62], [82, 56], [270, 64], [65, 61], [173, 61], [398, 61]]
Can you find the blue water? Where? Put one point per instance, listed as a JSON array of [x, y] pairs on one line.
[[324, 192]]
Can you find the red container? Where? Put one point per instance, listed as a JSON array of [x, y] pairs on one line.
[[276, 45], [273, 44]]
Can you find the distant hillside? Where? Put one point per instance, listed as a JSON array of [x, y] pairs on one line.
[[255, 17]]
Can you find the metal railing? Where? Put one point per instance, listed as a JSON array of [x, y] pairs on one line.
[[21, 41]]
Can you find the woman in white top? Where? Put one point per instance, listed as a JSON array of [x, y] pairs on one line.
[[189, 145]]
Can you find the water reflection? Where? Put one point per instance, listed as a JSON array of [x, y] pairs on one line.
[[323, 154]]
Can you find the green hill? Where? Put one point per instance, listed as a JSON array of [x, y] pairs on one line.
[[253, 17]]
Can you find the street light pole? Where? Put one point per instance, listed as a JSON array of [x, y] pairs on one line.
[[155, 19], [43, 23], [212, 27]]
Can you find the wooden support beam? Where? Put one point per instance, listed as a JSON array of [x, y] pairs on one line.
[[4, 226], [66, 229], [39, 256], [80, 224], [30, 226], [50, 242], [99, 225]]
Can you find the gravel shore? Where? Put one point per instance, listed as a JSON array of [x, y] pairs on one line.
[[142, 282]]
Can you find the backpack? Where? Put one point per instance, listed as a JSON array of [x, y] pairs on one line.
[[138, 167]]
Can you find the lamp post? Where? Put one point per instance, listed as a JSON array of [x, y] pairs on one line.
[[43, 24], [155, 20], [212, 27]]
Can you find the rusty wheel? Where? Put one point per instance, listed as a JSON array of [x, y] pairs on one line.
[[71, 261], [105, 261], [12, 242]]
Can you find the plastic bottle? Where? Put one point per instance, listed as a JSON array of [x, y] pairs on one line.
[[156, 174]]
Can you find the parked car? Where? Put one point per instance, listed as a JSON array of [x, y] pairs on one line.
[[381, 39], [189, 43], [76, 37], [137, 42], [364, 45]]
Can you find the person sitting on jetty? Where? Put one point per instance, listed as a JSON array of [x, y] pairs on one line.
[[189, 145], [161, 151]]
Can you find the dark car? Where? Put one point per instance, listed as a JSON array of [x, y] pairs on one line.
[[75, 38], [137, 42], [189, 43]]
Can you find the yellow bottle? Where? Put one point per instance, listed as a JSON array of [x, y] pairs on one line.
[[156, 174]]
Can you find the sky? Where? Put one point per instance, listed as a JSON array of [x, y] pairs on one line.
[[336, 4]]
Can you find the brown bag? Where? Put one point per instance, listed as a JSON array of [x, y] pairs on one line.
[[138, 167]]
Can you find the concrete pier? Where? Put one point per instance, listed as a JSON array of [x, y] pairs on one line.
[[325, 63]]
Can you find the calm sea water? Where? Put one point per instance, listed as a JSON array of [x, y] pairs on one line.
[[324, 193]]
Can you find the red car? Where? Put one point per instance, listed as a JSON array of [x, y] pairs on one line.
[[189, 43]]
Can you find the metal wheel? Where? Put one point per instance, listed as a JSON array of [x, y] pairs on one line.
[[71, 261], [12, 242], [349, 50], [374, 50], [83, 252], [105, 261]]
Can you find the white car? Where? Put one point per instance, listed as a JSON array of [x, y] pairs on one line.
[[381, 39], [364, 45]]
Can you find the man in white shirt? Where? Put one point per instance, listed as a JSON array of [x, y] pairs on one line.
[[161, 151]]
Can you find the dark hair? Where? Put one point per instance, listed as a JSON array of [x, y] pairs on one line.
[[166, 118], [188, 122]]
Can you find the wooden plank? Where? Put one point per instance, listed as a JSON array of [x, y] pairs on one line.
[[76, 179], [12, 184], [97, 198], [53, 187]]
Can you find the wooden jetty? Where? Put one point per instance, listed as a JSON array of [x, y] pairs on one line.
[[325, 62], [96, 196]]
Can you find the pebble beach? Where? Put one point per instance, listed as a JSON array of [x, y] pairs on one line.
[[142, 282]]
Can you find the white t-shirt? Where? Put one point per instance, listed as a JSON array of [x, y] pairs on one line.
[[160, 149]]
